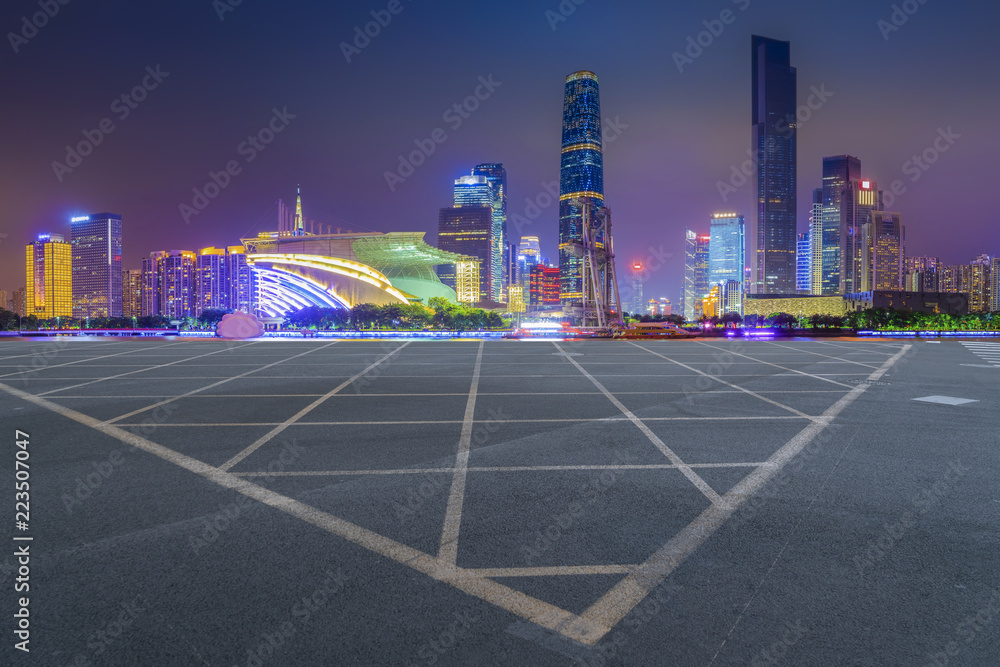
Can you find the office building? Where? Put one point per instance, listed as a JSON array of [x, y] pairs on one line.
[[467, 231], [816, 283], [132, 293], [638, 301], [666, 308], [803, 265], [883, 250], [581, 180], [834, 245], [864, 199], [773, 224], [496, 177], [726, 249], [211, 284], [732, 297], [49, 277], [97, 265], [544, 288], [19, 302], [922, 274], [696, 284], [241, 281], [995, 285]]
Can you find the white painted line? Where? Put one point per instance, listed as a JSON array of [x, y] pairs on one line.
[[729, 384], [581, 420], [216, 384], [72, 363], [533, 610], [427, 471], [303, 412], [448, 552], [620, 600], [828, 356], [981, 365], [695, 479], [784, 368], [946, 400], [561, 570], [933, 342]]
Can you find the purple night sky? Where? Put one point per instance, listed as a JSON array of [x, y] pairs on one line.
[[680, 132]]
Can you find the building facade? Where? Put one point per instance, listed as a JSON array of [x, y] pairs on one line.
[[49, 277], [883, 252], [803, 265], [696, 273], [467, 230], [581, 180], [211, 283], [97, 265], [773, 223], [132, 293], [726, 248]]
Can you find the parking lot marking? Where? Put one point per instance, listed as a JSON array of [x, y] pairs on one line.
[[79, 361], [728, 384], [686, 470], [818, 376], [306, 410], [616, 603], [828, 356], [211, 386], [453, 515], [946, 400]]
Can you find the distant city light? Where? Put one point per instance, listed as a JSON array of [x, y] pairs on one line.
[[82, 218]]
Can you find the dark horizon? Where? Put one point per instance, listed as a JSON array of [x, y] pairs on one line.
[[675, 126]]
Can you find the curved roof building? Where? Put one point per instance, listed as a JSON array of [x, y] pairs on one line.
[[296, 270]]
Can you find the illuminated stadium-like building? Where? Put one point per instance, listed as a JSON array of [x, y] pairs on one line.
[[296, 270]]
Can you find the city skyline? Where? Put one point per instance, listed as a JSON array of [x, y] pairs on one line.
[[645, 117]]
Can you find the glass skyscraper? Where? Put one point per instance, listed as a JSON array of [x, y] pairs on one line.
[[48, 272], [803, 264], [97, 265], [726, 249], [487, 186], [773, 227], [696, 285], [467, 230], [839, 174], [581, 175]]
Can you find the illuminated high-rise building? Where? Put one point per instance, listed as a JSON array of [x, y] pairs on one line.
[[638, 302], [169, 284], [863, 199], [211, 285], [545, 284], [816, 247], [581, 180], [665, 307], [995, 285], [803, 264], [97, 265], [467, 230], [531, 249], [732, 297], [840, 172], [923, 274], [773, 224], [132, 293], [151, 283], [696, 273], [496, 177], [980, 285], [241, 281], [726, 248], [883, 250], [487, 187], [49, 277]]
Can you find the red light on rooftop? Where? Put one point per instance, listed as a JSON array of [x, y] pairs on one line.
[[637, 266]]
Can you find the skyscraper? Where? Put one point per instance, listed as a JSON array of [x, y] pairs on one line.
[[19, 302], [97, 265], [132, 293], [638, 302], [178, 279], [151, 267], [211, 286], [980, 289], [531, 249], [995, 285], [840, 172], [772, 245], [696, 285], [49, 277], [803, 264], [581, 179], [816, 247], [467, 230], [241, 280], [496, 176], [883, 249], [726, 249]]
